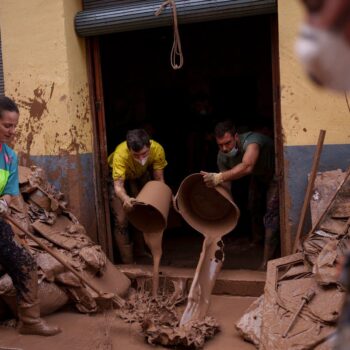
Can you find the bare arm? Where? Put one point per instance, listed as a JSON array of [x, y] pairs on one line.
[[246, 167], [120, 190], [158, 175]]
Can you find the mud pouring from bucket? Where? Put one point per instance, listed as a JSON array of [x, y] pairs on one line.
[[150, 215], [212, 212]]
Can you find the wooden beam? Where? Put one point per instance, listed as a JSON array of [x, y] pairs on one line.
[[310, 187]]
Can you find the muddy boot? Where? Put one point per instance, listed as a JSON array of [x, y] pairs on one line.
[[125, 247], [31, 323]]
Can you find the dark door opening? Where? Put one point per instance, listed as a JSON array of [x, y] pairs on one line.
[[227, 75]]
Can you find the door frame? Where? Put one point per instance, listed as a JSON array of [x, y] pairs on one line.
[[285, 238], [100, 142], [101, 169]]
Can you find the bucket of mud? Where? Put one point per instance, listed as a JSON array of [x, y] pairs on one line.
[[150, 213], [210, 211]]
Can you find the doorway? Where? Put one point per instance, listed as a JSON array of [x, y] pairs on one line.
[[227, 74]]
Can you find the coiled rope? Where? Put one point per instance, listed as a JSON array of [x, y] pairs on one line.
[[176, 51]]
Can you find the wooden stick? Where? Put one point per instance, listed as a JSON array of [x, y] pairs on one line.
[[120, 301], [310, 187]]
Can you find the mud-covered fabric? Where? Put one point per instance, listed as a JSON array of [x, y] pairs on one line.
[[18, 263], [8, 171], [271, 217], [264, 209]]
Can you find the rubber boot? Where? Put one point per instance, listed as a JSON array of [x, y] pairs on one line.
[[29, 309], [125, 248], [31, 323]]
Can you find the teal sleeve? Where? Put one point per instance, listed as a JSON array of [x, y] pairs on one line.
[[12, 187]]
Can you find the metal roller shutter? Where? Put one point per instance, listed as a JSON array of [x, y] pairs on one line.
[[112, 16]]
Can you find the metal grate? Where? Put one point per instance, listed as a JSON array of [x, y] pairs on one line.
[[112, 16]]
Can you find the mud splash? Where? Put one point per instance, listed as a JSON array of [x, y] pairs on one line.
[[213, 213], [150, 216]]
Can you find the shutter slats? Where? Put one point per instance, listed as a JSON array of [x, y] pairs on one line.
[[112, 16]]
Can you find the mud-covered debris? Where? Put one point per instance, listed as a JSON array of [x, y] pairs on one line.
[[42, 211], [249, 326], [192, 335], [159, 321]]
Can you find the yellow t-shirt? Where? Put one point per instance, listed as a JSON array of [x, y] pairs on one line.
[[125, 166]]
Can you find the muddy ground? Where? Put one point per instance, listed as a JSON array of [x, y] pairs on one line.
[[104, 332]]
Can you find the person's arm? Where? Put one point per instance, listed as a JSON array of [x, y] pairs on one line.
[[242, 169], [128, 202], [158, 175], [247, 165]]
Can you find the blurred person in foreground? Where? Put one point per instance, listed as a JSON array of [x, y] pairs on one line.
[[323, 47]]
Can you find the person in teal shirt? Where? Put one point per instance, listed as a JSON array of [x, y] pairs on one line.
[[14, 258], [250, 153]]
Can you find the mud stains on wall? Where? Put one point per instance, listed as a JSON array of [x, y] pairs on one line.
[[40, 128], [47, 76], [67, 159]]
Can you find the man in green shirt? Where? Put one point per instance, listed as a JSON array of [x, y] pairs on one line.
[[250, 153]]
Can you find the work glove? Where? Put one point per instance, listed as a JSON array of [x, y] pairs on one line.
[[128, 203], [212, 179], [3, 207]]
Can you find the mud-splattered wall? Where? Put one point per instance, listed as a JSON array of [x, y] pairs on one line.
[[45, 72], [305, 110]]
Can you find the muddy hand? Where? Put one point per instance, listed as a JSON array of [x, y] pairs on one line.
[[128, 203], [212, 179]]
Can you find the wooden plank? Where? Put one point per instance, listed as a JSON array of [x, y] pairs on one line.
[[310, 187]]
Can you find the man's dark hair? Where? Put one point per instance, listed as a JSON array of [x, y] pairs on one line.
[[6, 104], [222, 128], [137, 139]]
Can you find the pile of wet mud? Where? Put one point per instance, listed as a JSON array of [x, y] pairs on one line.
[[43, 211], [304, 292]]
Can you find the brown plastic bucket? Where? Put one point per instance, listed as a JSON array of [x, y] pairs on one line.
[[150, 213], [210, 211]]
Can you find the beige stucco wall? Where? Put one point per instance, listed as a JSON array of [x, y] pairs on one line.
[[43, 56], [45, 72], [306, 108]]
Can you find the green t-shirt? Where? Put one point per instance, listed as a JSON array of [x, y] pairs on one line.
[[265, 164]]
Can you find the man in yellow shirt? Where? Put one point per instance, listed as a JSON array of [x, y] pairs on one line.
[[133, 163]]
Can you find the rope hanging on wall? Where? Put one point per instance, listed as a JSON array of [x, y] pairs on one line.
[[176, 50]]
